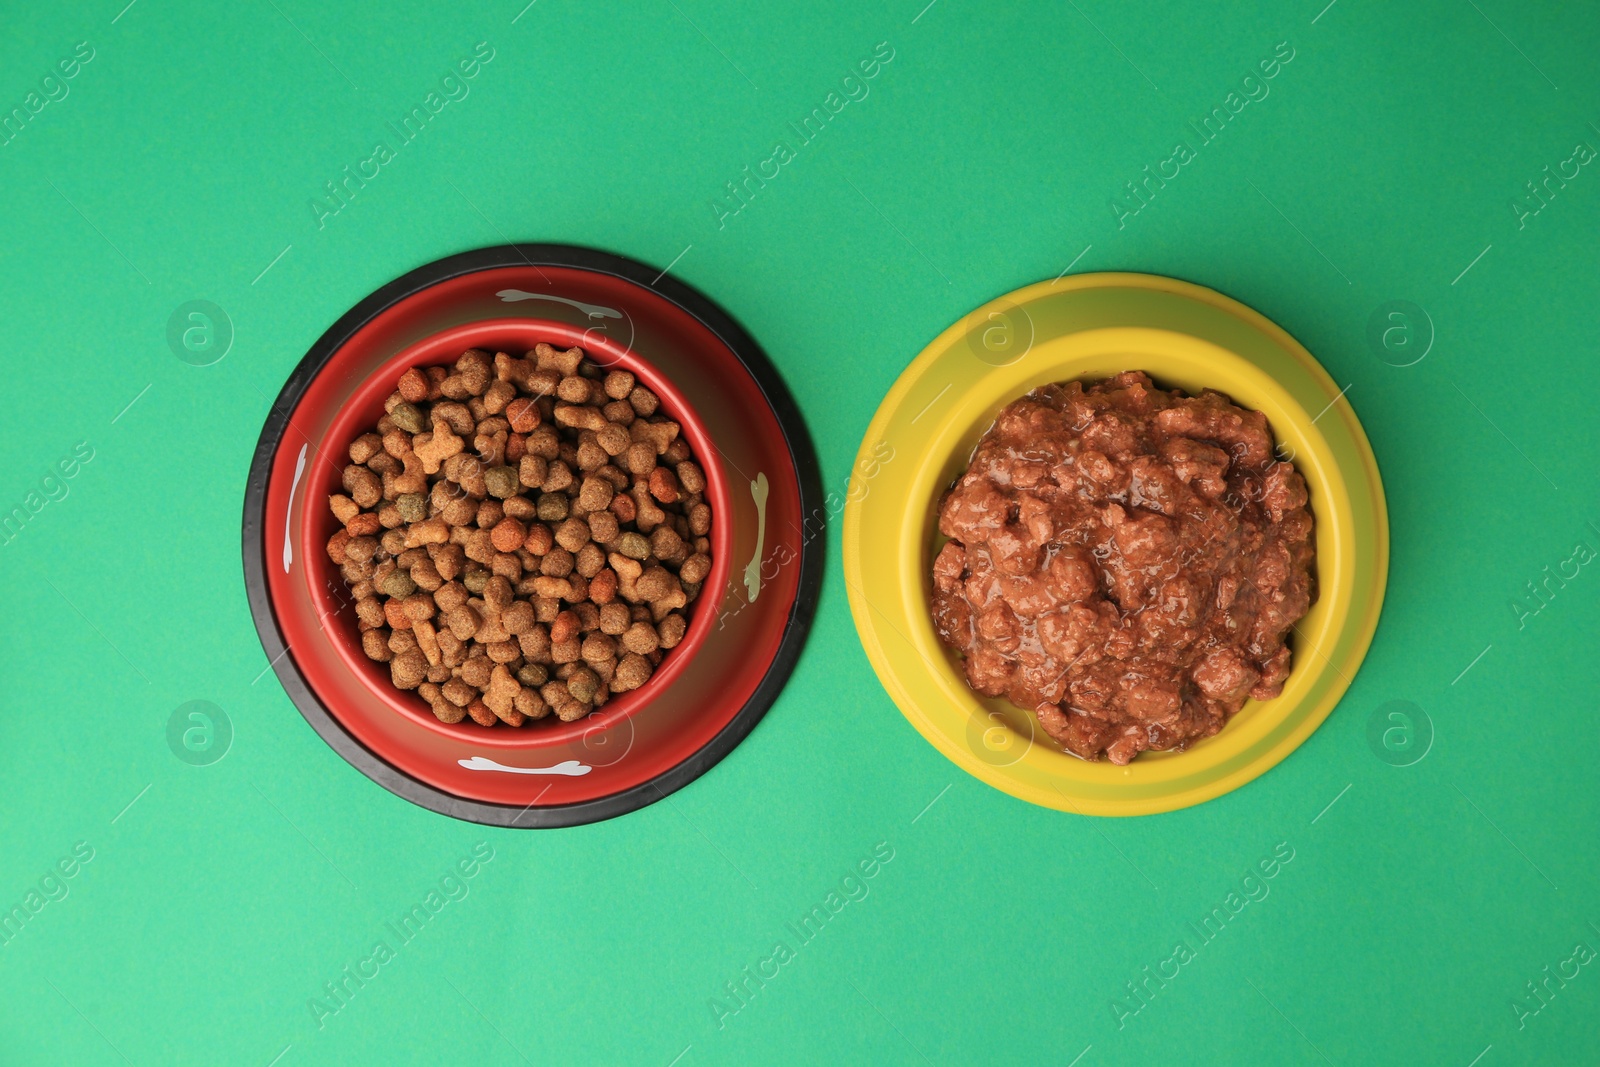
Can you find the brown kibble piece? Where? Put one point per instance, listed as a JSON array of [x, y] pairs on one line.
[[649, 514], [518, 618], [572, 534], [579, 416], [498, 396], [690, 477], [564, 362], [427, 641], [603, 526], [598, 648], [558, 479], [344, 509], [640, 459], [497, 594], [589, 560], [641, 638], [531, 704], [613, 437], [595, 494], [571, 710], [532, 471], [614, 618], [618, 384], [633, 670], [463, 622], [574, 390], [409, 670], [365, 447], [667, 546], [656, 583], [551, 588], [695, 569], [375, 643], [557, 563], [475, 671], [394, 614], [672, 628], [503, 689], [450, 596], [364, 487], [427, 532], [413, 385], [659, 433], [447, 712], [643, 400], [370, 611]]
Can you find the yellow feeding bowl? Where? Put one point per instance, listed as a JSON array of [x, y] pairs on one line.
[[1086, 327]]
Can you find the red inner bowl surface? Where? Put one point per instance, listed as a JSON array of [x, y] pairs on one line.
[[329, 592], [736, 626]]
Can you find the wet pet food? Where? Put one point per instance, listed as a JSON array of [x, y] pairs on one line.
[[1126, 562]]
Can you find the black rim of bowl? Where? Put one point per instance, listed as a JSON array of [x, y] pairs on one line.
[[812, 550]]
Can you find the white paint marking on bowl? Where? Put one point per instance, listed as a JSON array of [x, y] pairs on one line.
[[594, 311], [288, 542], [571, 768], [752, 570]]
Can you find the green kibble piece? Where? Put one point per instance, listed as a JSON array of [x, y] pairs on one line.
[[408, 417], [475, 581], [552, 507], [413, 507], [533, 674], [584, 684], [634, 546], [397, 584], [501, 482]]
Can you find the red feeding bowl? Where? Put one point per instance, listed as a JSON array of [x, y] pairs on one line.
[[745, 629]]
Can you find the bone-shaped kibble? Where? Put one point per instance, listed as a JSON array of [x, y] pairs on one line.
[[440, 446], [563, 363]]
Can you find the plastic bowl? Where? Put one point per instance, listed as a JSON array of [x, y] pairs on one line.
[[707, 693], [1085, 327]]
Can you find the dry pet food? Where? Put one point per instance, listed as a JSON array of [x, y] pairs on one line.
[[522, 536], [1126, 562]]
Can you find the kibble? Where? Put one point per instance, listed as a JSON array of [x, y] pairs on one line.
[[521, 536]]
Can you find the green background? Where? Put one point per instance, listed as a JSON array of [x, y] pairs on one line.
[[1384, 160]]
